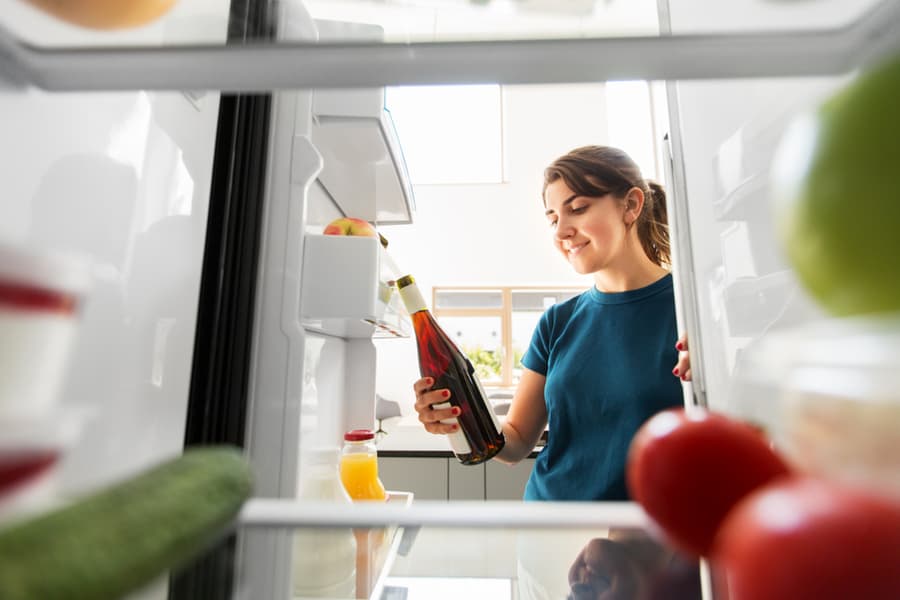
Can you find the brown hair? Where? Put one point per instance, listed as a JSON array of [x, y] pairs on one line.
[[599, 170]]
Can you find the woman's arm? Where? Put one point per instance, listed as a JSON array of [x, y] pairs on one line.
[[526, 419]]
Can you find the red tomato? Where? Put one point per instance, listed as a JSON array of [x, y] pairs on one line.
[[688, 469], [799, 539]]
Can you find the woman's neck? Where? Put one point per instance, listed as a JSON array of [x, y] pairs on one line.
[[631, 273]]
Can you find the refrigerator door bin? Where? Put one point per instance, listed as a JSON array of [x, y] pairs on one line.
[[364, 170], [347, 288]]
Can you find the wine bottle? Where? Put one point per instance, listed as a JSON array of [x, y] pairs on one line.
[[479, 436]]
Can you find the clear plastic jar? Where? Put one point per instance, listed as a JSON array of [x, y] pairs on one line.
[[836, 387], [359, 466]]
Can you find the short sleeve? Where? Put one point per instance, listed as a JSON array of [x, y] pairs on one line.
[[538, 352]]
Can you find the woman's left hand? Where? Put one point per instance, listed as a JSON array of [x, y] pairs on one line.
[[683, 368]]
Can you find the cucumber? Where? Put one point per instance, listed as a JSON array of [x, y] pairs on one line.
[[116, 540]]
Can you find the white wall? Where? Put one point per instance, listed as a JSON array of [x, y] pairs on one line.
[[493, 234]]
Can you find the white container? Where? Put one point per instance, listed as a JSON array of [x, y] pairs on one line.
[[40, 297], [324, 559]]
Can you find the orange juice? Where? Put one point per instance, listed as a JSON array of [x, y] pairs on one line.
[[359, 474]]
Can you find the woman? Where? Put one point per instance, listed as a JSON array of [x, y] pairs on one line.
[[601, 363]]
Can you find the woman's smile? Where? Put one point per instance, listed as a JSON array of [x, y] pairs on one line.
[[574, 249]]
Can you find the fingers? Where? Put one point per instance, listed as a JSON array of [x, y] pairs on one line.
[[682, 370], [434, 409], [422, 385]]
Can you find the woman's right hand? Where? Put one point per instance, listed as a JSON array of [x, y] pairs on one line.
[[435, 420]]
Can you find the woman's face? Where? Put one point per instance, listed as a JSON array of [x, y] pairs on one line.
[[588, 231]]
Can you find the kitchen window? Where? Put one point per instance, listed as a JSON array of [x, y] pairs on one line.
[[493, 325], [442, 150]]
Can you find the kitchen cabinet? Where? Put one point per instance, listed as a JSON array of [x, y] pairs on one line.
[[440, 478], [465, 482], [506, 482], [425, 477]]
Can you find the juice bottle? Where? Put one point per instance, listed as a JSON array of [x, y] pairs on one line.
[[359, 466]]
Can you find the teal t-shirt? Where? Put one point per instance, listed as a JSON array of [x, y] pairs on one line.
[[608, 360]]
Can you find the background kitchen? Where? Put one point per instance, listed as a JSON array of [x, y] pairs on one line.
[[480, 242]]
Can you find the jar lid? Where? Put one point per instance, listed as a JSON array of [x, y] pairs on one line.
[[359, 435]]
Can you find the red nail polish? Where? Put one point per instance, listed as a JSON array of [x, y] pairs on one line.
[[675, 371], [456, 411], [445, 394], [679, 346]]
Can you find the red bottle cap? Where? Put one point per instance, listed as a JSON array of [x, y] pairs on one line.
[[359, 435]]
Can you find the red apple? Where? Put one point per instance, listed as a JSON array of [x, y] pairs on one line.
[[353, 226], [350, 226]]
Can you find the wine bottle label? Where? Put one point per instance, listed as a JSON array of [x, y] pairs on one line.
[[412, 298], [458, 442]]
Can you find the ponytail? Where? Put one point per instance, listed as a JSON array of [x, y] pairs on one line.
[[653, 225]]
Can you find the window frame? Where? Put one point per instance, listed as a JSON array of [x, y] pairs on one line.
[[505, 312]]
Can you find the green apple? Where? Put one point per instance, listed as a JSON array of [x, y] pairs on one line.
[[837, 195]]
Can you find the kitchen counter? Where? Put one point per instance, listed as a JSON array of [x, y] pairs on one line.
[[405, 437]]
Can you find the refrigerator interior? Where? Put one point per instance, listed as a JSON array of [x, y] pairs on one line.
[[124, 178]]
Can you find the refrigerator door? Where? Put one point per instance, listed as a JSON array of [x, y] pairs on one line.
[[736, 284]]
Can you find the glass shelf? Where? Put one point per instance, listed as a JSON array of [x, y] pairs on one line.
[[527, 550], [496, 41]]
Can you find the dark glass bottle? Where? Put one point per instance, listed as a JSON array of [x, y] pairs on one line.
[[480, 436]]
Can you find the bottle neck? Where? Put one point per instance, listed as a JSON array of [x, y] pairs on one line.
[[359, 445], [412, 298]]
